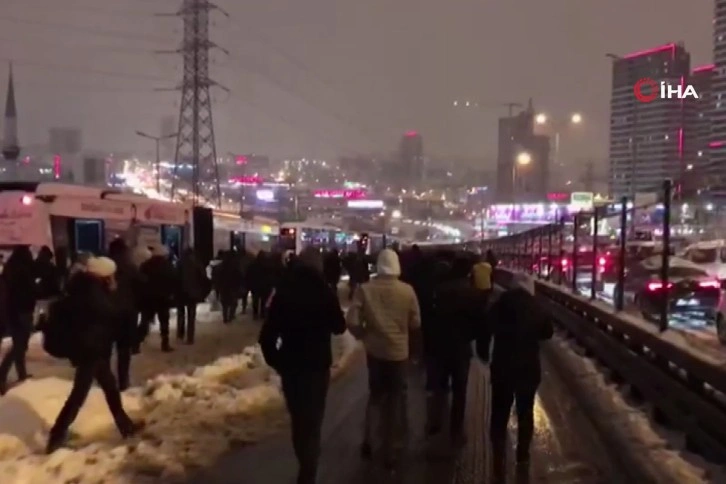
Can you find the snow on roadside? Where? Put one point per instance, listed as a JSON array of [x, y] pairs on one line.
[[658, 448], [191, 419]]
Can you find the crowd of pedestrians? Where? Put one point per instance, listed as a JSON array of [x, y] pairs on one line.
[[437, 308], [98, 305]]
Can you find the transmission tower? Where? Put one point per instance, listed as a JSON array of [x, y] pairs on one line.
[[195, 137]]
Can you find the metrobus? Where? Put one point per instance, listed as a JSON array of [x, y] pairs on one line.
[[298, 235], [78, 219]]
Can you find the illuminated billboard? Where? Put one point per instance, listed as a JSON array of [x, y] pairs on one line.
[[366, 204], [354, 194]]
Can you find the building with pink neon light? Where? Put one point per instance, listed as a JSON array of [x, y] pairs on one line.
[[649, 142], [717, 152], [702, 80]]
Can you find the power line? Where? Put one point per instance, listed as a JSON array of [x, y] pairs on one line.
[[293, 60], [259, 69], [82, 69], [28, 5], [87, 30]]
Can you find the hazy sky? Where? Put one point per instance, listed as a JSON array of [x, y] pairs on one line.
[[328, 77]]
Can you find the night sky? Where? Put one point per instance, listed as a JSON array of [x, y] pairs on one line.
[[333, 77]]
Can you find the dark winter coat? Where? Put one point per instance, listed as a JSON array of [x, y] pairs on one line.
[[194, 285], [22, 290], [260, 277], [459, 311], [332, 268], [230, 277], [160, 277], [517, 324], [94, 317], [49, 278], [304, 313]]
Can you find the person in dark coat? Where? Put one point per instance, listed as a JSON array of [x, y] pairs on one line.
[[304, 313], [333, 269], [458, 310], [245, 259], [194, 287], [160, 279], [231, 279], [518, 326], [22, 294], [261, 281], [130, 287], [94, 318], [48, 275]]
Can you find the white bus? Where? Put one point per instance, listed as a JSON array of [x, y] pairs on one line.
[[85, 219], [298, 235]]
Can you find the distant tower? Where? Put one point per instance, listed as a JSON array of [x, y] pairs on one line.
[[195, 137], [11, 146]]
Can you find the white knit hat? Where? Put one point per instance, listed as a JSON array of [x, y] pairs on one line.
[[140, 255], [101, 266], [388, 263]]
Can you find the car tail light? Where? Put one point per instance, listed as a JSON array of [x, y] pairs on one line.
[[564, 262], [602, 261], [710, 284], [656, 286]]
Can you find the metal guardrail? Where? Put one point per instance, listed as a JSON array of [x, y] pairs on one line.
[[686, 391]]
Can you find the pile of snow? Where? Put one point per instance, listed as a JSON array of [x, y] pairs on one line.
[[656, 448], [191, 419]]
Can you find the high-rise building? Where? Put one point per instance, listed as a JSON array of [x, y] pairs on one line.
[[648, 140], [717, 153], [518, 181], [413, 166], [699, 129]]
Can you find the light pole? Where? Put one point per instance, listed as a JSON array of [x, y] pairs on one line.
[[157, 140], [523, 159], [575, 119]]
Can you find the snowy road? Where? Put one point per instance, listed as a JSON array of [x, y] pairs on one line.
[[565, 448]]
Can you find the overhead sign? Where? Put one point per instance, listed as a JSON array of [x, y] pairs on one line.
[[582, 200]]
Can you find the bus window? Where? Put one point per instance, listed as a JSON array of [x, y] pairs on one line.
[[89, 236]]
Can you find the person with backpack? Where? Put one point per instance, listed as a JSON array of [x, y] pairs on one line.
[[83, 326], [160, 278], [194, 287]]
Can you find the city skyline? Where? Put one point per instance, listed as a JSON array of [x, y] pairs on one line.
[[320, 84]]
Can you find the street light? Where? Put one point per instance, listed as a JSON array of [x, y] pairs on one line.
[[157, 140], [523, 159], [542, 119]]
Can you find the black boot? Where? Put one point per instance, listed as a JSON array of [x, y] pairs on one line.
[[165, 346]]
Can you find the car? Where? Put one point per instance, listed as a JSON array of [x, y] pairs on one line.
[[709, 255], [690, 291]]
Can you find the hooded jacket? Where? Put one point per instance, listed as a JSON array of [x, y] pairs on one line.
[[517, 324], [94, 318], [303, 315], [384, 311]]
